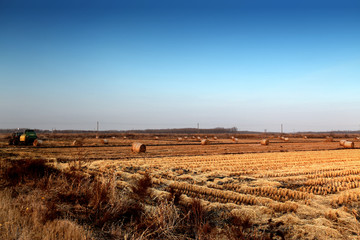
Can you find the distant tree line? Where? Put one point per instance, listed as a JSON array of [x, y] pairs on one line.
[[218, 130], [188, 130]]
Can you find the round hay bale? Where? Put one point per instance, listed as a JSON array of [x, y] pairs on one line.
[[235, 139], [156, 138], [349, 144], [215, 138], [264, 142], [198, 138], [205, 142], [329, 139], [286, 139], [193, 137], [124, 137], [138, 147], [105, 141], [185, 137], [37, 143], [342, 142], [179, 139], [305, 137], [232, 137], [77, 143]]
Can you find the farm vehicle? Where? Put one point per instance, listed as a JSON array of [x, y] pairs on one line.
[[24, 138]]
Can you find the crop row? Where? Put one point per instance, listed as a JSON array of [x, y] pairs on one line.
[[256, 163], [224, 196], [278, 194], [307, 173], [330, 189], [333, 181], [347, 198]]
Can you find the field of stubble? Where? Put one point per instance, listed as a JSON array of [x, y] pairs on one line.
[[229, 189]]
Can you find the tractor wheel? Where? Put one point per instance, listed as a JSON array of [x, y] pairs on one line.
[[10, 142]]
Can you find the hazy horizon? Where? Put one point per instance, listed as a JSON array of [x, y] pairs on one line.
[[154, 65]]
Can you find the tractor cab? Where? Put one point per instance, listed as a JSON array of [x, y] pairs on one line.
[[27, 137]]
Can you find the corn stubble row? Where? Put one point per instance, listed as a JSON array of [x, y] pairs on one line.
[[333, 181], [216, 195], [324, 186], [265, 164], [278, 194], [310, 173], [347, 199]]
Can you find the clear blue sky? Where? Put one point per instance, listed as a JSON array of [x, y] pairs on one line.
[[173, 64]]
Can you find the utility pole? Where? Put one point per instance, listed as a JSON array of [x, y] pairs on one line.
[[198, 127], [281, 128], [97, 129]]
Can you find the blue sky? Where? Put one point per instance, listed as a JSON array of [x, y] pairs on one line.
[[173, 64]]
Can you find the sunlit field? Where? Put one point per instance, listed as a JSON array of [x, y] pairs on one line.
[[232, 188]]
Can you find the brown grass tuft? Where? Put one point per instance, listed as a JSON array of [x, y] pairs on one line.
[[141, 189], [20, 171]]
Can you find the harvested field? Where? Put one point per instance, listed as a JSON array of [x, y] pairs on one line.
[[119, 148], [302, 188]]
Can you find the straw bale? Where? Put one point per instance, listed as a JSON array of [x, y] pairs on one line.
[[264, 142], [342, 142], [78, 143], [349, 144], [138, 147], [329, 139], [205, 142], [37, 143]]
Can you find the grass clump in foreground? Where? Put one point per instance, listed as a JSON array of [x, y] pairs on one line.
[[38, 201]]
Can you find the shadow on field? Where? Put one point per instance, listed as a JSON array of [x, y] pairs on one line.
[[93, 207]]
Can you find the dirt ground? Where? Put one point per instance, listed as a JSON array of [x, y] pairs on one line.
[[61, 147]]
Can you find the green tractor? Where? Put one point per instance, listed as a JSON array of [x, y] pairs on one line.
[[24, 138]]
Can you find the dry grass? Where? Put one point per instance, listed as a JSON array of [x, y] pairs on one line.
[[93, 192], [48, 204]]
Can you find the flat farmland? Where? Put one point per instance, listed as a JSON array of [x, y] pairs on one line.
[[60, 147], [294, 189]]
